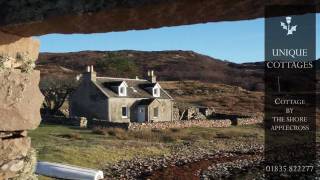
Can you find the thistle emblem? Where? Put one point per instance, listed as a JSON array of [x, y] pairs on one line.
[[286, 26]]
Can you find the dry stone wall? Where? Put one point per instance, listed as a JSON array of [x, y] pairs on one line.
[[20, 102], [17, 158], [191, 123], [81, 122], [250, 121], [180, 124], [217, 123]]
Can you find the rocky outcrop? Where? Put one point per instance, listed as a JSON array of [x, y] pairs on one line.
[[28, 18], [20, 102]]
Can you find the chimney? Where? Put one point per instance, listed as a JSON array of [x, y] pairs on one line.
[[90, 75], [151, 77]]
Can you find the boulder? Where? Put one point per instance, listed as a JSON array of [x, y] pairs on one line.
[[20, 100]]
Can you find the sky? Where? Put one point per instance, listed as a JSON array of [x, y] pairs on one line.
[[236, 41]]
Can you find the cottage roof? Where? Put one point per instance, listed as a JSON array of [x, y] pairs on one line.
[[149, 85], [137, 88], [146, 102], [113, 83]]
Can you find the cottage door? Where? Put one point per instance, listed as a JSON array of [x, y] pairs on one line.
[[141, 114]]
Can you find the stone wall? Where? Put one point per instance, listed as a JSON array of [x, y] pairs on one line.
[[175, 114], [17, 158], [199, 113], [191, 123], [107, 124], [82, 122], [20, 102], [72, 121], [250, 121], [180, 124], [174, 124]]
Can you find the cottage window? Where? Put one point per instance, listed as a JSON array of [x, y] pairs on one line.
[[122, 91], [156, 92], [124, 111], [156, 112]]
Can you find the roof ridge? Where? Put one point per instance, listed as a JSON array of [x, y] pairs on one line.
[[101, 89], [123, 78]]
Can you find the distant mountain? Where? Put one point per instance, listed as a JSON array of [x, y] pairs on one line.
[[168, 65]]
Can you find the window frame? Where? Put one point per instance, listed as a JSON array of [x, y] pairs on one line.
[[122, 90], [123, 86], [156, 92], [154, 114], [127, 111]]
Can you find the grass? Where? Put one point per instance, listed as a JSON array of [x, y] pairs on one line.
[[100, 147], [81, 147], [175, 135]]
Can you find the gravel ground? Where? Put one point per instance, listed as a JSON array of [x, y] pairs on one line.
[[147, 168], [227, 170], [242, 162]]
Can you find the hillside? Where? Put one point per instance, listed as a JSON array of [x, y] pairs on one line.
[[168, 65], [225, 99], [200, 74]]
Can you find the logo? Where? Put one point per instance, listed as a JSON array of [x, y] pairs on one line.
[[286, 26]]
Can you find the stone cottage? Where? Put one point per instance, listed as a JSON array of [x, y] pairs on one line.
[[121, 99]]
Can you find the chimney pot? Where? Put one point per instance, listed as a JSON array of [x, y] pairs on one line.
[[151, 76]]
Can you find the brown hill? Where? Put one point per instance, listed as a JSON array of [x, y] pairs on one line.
[[168, 65], [224, 98]]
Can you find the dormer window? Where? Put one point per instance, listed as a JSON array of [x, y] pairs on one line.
[[156, 90], [122, 89]]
